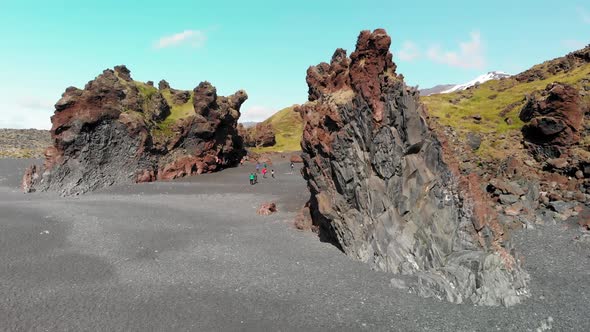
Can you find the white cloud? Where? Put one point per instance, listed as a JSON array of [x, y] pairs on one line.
[[22, 118], [26, 112], [35, 103], [469, 56], [194, 38], [256, 113], [409, 52], [573, 44], [584, 14]]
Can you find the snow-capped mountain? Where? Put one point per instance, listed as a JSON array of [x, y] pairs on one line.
[[493, 75]]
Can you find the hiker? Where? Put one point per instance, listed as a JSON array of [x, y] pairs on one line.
[[257, 167], [265, 166], [252, 178], [292, 167], [272, 173], [264, 172], [255, 178]]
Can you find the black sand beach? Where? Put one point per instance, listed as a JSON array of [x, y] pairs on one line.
[[193, 255]]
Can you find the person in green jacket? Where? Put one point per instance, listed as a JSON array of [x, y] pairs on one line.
[[252, 178]]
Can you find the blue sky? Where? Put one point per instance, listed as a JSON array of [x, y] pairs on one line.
[[264, 47]]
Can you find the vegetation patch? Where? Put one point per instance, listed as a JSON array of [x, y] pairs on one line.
[[288, 127], [492, 109]]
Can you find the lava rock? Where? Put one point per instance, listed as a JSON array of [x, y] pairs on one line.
[[558, 163], [267, 209], [112, 133], [474, 141], [163, 85], [180, 97], [507, 187], [382, 191], [508, 199], [260, 135], [553, 121]]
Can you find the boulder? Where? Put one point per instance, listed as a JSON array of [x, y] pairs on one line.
[[259, 135], [506, 187], [558, 163], [382, 191], [267, 208], [163, 85], [123, 73], [553, 120], [474, 141], [180, 97], [508, 199], [114, 131], [29, 178]]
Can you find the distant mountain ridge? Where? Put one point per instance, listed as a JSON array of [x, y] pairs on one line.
[[449, 88], [436, 89], [492, 75]]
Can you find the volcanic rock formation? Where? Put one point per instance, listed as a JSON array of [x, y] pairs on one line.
[[554, 120], [386, 192], [261, 134], [118, 130]]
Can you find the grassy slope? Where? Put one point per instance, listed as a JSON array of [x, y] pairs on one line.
[[288, 126], [489, 100], [177, 112]]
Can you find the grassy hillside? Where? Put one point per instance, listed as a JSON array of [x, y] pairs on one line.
[[288, 126], [498, 104]]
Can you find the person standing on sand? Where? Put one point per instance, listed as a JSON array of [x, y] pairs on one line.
[[292, 167], [265, 165], [255, 178], [264, 172], [272, 173], [257, 167], [252, 178]]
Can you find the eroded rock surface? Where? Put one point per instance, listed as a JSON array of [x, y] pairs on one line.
[[384, 190], [554, 120], [259, 135], [117, 130]]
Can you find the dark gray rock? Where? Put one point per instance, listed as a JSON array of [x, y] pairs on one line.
[[561, 207], [381, 191], [507, 187], [508, 199], [474, 141], [163, 85]]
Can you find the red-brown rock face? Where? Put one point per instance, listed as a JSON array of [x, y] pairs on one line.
[[118, 130], [382, 190], [554, 120], [262, 134]]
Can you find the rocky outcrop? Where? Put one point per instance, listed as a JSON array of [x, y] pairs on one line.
[[386, 191], [259, 135], [556, 66], [117, 130], [180, 97], [553, 121]]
